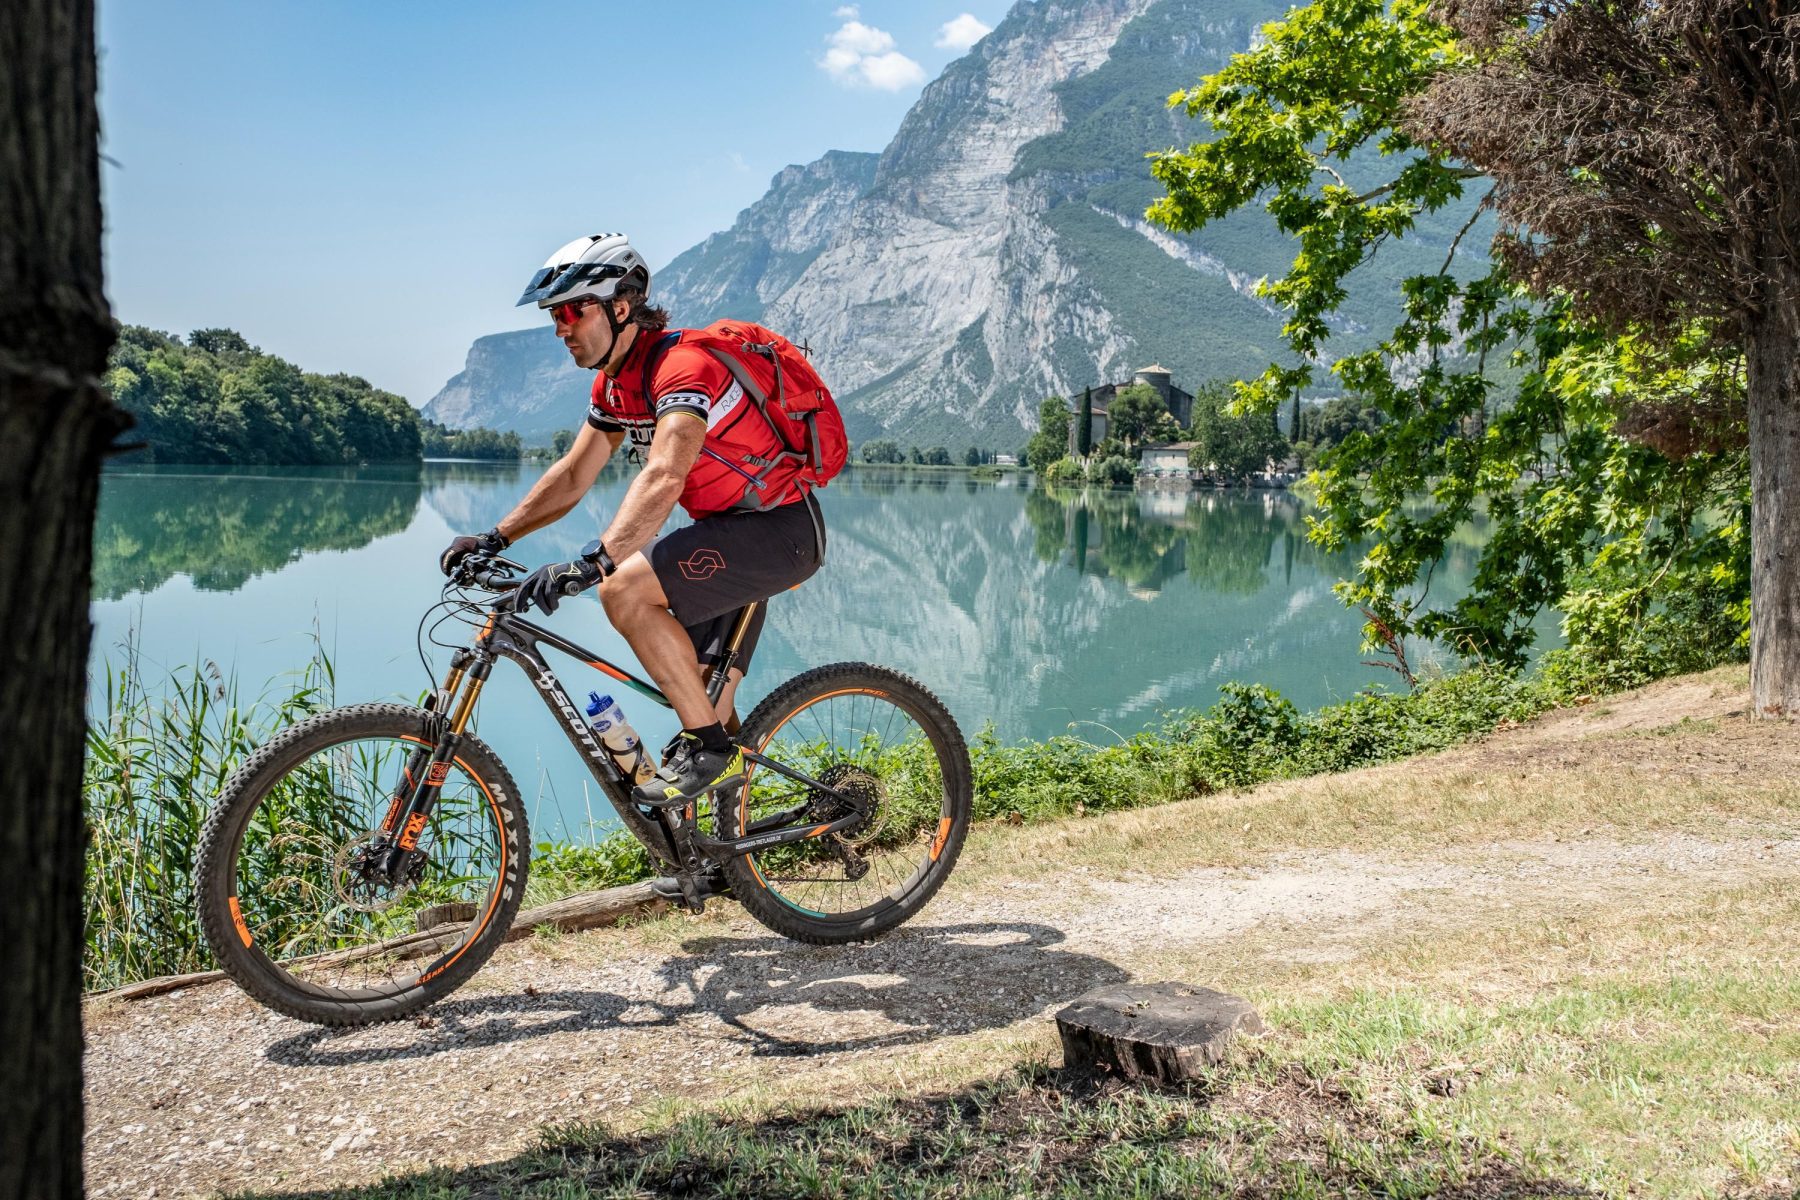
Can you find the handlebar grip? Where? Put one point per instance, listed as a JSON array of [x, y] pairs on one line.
[[494, 581]]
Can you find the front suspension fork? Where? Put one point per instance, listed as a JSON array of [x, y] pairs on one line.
[[422, 781]]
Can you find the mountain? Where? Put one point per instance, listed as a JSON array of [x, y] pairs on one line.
[[995, 252]]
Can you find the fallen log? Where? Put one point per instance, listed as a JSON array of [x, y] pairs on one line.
[[571, 914]]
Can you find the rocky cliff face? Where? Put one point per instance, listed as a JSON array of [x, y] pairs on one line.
[[992, 255], [738, 272]]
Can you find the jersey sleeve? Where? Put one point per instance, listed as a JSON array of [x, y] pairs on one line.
[[597, 416], [689, 380]]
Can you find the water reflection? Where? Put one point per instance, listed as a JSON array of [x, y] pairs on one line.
[[223, 527], [1222, 542], [1034, 610], [1038, 610]]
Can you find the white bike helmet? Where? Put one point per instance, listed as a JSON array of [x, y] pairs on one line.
[[589, 266]]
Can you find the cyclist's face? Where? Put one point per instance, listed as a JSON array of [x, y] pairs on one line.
[[584, 330]]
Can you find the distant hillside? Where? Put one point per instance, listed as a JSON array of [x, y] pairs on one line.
[[215, 398]]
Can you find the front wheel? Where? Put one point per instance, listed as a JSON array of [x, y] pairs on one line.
[[290, 902], [891, 751]]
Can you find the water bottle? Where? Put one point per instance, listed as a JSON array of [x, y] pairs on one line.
[[619, 738]]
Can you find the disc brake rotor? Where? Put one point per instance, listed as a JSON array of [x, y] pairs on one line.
[[356, 884]]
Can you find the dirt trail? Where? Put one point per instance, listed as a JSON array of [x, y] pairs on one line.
[[204, 1091]]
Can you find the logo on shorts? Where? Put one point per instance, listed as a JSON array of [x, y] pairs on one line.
[[702, 564]]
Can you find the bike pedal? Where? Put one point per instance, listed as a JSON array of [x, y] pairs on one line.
[[688, 891]]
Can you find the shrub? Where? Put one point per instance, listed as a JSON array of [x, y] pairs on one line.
[[1113, 471]]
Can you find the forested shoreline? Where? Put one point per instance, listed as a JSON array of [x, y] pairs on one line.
[[215, 399]]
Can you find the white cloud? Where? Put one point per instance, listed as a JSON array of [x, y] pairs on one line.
[[847, 13], [963, 32], [892, 72], [859, 55]]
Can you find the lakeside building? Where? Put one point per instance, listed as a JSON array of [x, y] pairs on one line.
[[1165, 459], [1180, 404]]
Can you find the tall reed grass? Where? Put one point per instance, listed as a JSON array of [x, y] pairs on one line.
[[158, 754]]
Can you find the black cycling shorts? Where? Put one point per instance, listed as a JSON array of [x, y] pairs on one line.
[[711, 569]]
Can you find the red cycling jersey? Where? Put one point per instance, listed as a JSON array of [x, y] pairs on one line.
[[690, 380]]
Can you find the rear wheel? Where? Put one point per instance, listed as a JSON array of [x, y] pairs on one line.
[[290, 903], [893, 753]]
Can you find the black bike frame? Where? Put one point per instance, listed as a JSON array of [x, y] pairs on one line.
[[669, 834]]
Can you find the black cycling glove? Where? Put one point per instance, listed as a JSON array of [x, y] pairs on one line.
[[491, 542], [545, 587]]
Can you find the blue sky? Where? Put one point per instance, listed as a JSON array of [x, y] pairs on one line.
[[365, 187]]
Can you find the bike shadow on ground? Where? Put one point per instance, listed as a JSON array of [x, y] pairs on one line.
[[773, 996]]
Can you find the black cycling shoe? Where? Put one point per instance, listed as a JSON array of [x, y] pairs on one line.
[[689, 771], [711, 884]]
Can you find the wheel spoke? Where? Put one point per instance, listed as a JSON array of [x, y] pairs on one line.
[[891, 761]]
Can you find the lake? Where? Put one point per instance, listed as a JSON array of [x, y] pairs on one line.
[[1089, 613]]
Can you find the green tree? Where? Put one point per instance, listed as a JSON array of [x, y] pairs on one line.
[[1673, 211], [1581, 516], [1138, 413], [1233, 446], [561, 441], [1084, 428], [882, 451], [220, 341], [1340, 417], [936, 456], [972, 457], [1051, 441]]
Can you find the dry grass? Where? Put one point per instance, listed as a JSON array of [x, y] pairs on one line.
[[1678, 755]]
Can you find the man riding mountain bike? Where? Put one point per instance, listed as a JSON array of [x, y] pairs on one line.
[[757, 529]]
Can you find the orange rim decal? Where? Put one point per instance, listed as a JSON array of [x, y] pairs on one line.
[[613, 671], [237, 919], [943, 835]]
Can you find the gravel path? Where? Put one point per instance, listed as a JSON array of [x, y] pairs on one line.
[[200, 1091]]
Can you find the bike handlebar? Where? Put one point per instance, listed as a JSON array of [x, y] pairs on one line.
[[494, 574]]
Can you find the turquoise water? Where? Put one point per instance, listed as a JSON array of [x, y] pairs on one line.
[[1088, 613]]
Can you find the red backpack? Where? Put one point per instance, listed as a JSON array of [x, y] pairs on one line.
[[778, 376]]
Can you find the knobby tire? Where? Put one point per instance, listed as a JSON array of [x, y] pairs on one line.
[[441, 970]]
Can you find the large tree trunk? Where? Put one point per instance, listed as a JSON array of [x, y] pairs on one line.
[[54, 426], [1773, 379]]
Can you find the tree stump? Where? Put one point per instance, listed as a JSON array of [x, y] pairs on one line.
[[1163, 1032]]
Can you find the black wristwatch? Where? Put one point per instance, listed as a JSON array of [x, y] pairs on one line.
[[596, 553]]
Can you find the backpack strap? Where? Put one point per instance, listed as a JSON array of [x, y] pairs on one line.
[[735, 368], [655, 357], [732, 364]]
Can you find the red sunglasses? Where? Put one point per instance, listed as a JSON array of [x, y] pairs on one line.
[[569, 311]]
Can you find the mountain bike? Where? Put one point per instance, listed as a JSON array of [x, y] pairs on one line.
[[365, 862]]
